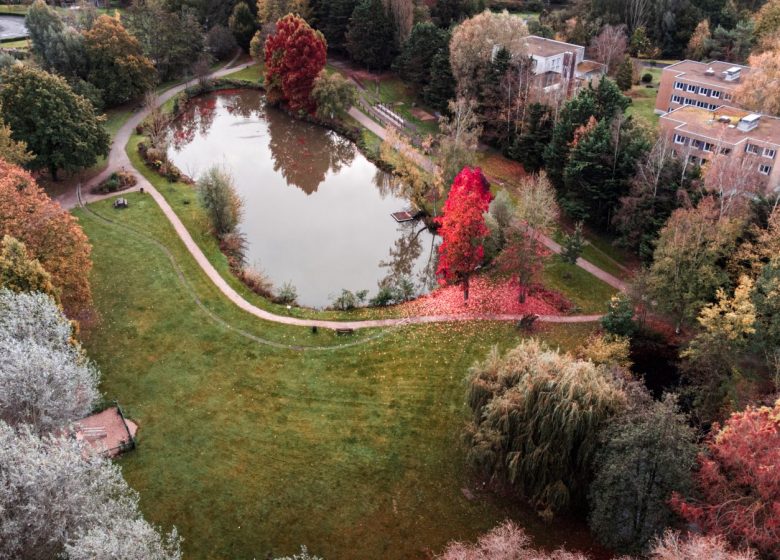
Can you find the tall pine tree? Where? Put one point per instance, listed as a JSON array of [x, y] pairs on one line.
[[371, 35]]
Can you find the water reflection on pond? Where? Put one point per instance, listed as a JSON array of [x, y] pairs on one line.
[[316, 212]]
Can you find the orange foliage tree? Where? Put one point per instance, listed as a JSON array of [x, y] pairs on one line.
[[739, 482], [51, 235], [463, 229], [294, 56]]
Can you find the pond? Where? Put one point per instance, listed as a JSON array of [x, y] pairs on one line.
[[12, 27], [317, 213]]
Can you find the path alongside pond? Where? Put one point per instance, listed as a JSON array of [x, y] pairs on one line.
[[118, 160]]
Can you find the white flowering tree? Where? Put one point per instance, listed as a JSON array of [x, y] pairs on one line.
[[56, 500], [46, 380]]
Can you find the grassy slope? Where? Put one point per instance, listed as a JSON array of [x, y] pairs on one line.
[[643, 98], [249, 449], [252, 73]]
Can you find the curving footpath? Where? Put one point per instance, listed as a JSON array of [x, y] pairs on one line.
[[118, 159]]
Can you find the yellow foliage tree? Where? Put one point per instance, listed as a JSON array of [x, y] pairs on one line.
[[21, 273]]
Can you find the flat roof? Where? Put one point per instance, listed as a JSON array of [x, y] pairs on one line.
[[696, 71], [703, 122], [541, 46]]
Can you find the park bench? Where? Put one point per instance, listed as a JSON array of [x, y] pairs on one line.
[[344, 331]]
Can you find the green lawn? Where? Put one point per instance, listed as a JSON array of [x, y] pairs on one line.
[[18, 44], [250, 449], [252, 74], [398, 95], [643, 98]]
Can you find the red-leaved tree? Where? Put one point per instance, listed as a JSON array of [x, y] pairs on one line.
[[739, 482], [294, 55], [462, 228]]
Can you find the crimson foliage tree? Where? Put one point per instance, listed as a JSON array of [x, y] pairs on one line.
[[294, 55], [739, 482], [462, 228]]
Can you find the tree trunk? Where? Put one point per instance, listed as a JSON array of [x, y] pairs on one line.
[[466, 288], [521, 295], [53, 172]]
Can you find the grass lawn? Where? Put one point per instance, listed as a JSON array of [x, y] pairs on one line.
[[252, 73], [22, 44], [395, 93], [643, 98], [250, 449]]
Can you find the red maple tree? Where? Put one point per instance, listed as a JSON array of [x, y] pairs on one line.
[[294, 55], [739, 482], [462, 228]]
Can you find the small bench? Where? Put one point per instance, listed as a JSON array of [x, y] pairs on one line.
[[344, 331], [121, 203]]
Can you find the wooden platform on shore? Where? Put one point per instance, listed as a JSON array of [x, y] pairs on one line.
[[402, 216]]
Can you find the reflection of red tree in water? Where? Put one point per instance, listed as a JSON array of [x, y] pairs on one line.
[[198, 116], [305, 153]]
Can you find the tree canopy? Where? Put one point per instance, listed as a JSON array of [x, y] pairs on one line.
[[57, 125]]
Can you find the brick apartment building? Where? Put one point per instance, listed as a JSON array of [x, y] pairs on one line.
[[698, 84], [560, 67], [699, 134]]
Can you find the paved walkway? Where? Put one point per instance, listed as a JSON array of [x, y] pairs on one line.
[[118, 160]]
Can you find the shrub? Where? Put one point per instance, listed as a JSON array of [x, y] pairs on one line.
[[220, 199], [288, 294], [348, 300], [256, 281], [619, 319], [647, 78]]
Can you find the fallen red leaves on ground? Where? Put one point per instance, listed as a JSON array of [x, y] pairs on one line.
[[485, 297]]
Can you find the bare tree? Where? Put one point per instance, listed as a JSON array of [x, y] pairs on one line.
[[734, 181], [156, 123], [636, 13], [609, 46]]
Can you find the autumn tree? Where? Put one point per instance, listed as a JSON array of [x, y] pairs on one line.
[[117, 65], [51, 235], [371, 36], [648, 452], [699, 44], [765, 298], [35, 101], [535, 216], [459, 137], [333, 94], [712, 359], [21, 273], [738, 488], [685, 273], [462, 228], [768, 21], [294, 56], [414, 184], [609, 46], [674, 546], [472, 43], [757, 90], [242, 25], [536, 418], [507, 541]]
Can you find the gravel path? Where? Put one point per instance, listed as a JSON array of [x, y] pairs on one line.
[[118, 160]]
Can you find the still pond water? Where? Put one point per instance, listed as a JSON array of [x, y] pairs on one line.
[[316, 212]]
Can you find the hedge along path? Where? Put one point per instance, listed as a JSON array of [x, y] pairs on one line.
[[118, 160]]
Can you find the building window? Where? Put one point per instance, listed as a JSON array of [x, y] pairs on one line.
[[715, 94], [751, 149], [713, 107], [707, 147], [727, 96], [769, 153], [697, 144], [764, 169], [688, 101], [704, 91], [725, 151], [678, 85], [679, 139], [676, 99], [702, 104], [692, 88], [694, 160]]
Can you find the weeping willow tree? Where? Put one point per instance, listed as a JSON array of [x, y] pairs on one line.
[[537, 414]]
